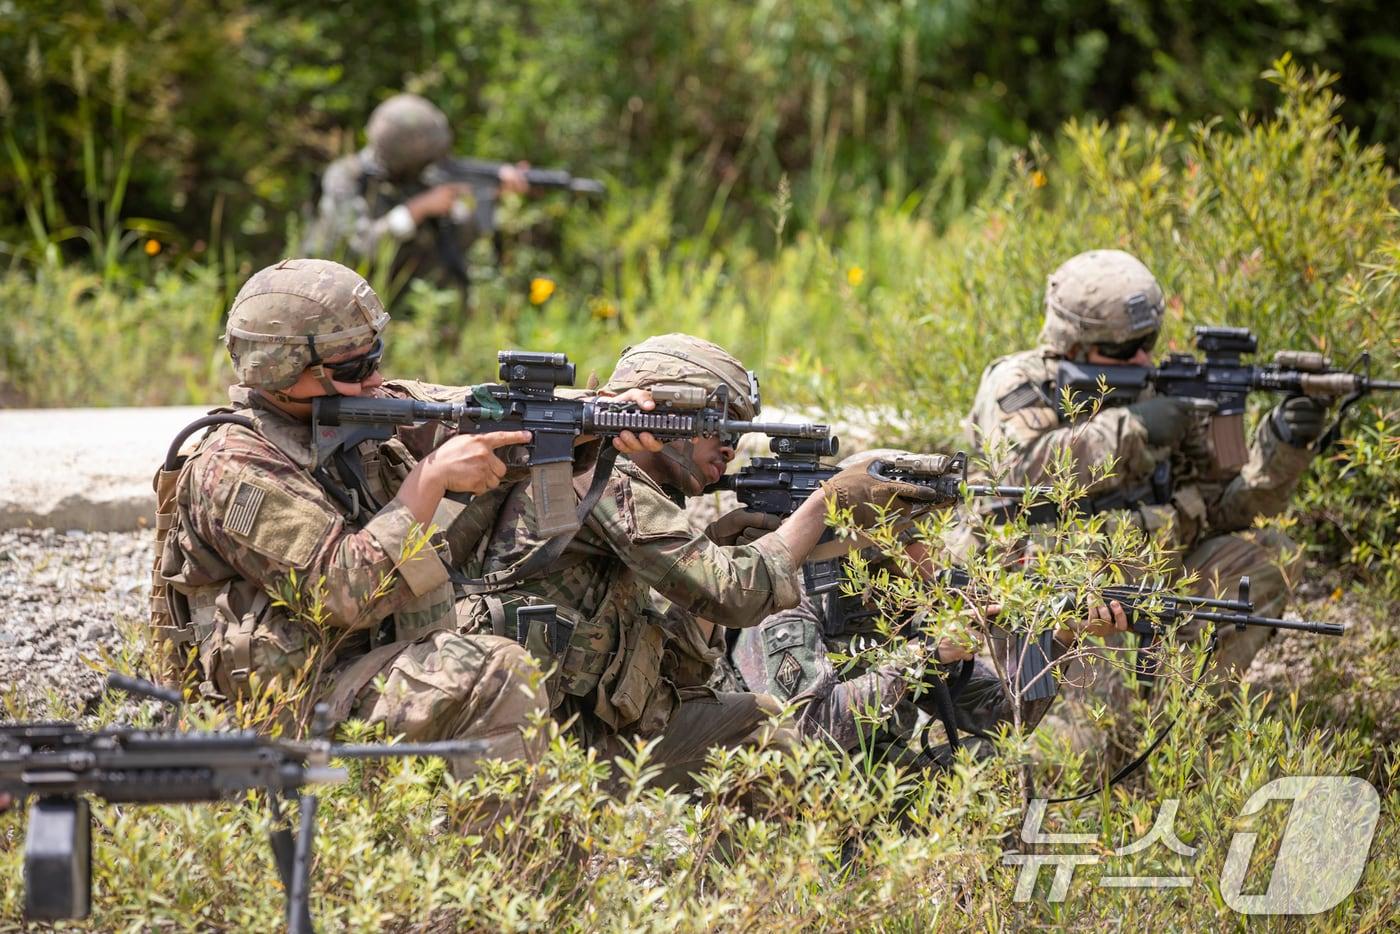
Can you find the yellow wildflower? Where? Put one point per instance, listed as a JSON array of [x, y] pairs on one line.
[[1038, 179], [602, 309], [855, 276], [152, 246], [540, 290]]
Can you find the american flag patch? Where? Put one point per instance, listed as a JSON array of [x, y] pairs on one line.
[[246, 501]]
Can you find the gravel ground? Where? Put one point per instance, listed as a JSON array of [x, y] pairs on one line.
[[64, 597]]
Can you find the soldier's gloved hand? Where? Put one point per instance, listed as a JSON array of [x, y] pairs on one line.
[[1300, 420], [741, 527], [1166, 419], [857, 489]]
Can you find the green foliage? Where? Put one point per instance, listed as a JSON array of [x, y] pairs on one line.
[[235, 108]]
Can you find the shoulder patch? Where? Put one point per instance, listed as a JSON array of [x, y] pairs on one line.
[[788, 673], [1022, 397], [243, 510], [264, 516]]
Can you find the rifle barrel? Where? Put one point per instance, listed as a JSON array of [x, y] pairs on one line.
[[456, 747], [1300, 625], [777, 429]]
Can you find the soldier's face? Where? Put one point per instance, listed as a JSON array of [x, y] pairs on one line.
[[712, 456], [308, 387]]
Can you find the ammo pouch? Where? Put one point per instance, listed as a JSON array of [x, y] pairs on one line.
[[628, 694], [577, 648], [239, 631]]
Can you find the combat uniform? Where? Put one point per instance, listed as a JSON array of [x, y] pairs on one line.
[[1205, 516], [871, 709], [1178, 477], [362, 211], [631, 660], [271, 569]]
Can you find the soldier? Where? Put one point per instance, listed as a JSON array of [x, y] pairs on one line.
[[877, 709], [637, 593], [271, 568], [1104, 307], [377, 198]]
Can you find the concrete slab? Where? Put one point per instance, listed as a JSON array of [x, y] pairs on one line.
[[87, 469], [91, 469]]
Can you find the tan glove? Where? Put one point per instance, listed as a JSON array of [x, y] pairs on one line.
[[741, 527], [857, 489]]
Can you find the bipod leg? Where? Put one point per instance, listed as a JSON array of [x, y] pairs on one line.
[[299, 892]]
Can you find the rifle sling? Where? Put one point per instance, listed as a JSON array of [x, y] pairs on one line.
[[547, 553]]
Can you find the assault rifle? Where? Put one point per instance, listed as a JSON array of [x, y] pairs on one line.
[[1151, 613], [61, 765], [1222, 378], [779, 485], [484, 177], [525, 399]]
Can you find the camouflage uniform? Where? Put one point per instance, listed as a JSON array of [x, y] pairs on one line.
[[630, 658], [872, 709], [362, 211], [1206, 519], [245, 512], [627, 588]]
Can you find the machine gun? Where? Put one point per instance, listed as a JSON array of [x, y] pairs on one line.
[[779, 485], [61, 765], [525, 399], [1225, 380]]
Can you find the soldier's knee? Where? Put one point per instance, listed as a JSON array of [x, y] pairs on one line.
[[511, 668]]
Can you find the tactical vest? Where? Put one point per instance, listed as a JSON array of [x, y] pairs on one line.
[[622, 664], [211, 625]]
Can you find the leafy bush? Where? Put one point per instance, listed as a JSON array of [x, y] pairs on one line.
[[234, 108]]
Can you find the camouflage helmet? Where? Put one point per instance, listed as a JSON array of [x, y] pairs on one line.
[[292, 315], [1102, 296], [679, 359], [407, 133]]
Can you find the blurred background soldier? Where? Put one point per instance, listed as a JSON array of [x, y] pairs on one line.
[[395, 201]]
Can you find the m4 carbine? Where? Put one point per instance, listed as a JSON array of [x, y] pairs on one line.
[[525, 399], [484, 177], [61, 765], [1222, 378], [779, 485]]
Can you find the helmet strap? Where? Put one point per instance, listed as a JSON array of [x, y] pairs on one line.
[[318, 369]]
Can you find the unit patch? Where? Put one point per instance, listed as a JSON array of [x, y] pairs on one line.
[[788, 674], [1022, 397], [247, 500]]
